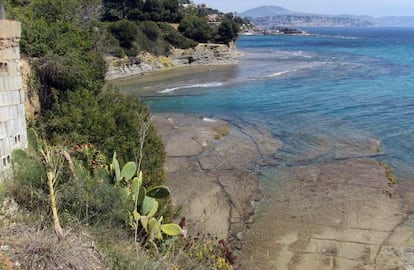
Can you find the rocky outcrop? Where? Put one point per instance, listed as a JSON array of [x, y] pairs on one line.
[[209, 164], [32, 100], [342, 214], [203, 54]]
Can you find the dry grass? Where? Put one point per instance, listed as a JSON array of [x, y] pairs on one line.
[[29, 247], [26, 244]]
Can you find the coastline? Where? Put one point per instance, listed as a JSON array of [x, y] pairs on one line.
[[333, 215], [341, 214], [204, 55], [157, 81]]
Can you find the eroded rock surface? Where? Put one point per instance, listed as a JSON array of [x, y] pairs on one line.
[[208, 166], [335, 215], [205, 54]]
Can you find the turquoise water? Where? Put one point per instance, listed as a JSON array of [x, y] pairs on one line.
[[312, 91]]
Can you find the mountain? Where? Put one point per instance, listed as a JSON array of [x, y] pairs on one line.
[[271, 16], [267, 11]]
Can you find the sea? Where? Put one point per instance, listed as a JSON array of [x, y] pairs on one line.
[[336, 84], [323, 96]]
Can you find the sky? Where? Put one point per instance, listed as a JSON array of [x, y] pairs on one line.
[[374, 8]]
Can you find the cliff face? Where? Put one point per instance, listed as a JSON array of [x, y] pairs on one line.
[[203, 54]]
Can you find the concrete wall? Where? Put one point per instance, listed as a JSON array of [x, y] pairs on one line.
[[12, 115]]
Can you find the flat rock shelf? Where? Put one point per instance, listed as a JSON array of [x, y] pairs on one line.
[[337, 215], [209, 167]]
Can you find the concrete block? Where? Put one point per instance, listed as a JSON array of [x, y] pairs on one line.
[[4, 114], [2, 83], [2, 147], [13, 68], [10, 98], [10, 29], [6, 147], [10, 53], [22, 96], [15, 98], [3, 133], [10, 83], [21, 112], [10, 127]]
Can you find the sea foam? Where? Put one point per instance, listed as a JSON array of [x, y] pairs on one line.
[[198, 85]]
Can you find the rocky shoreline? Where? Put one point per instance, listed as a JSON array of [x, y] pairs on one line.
[[338, 214], [205, 54], [209, 170], [343, 214]]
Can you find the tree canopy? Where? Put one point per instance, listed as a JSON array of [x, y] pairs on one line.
[[141, 10], [196, 28]]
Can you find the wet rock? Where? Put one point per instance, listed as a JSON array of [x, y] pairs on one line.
[[342, 220], [208, 165]]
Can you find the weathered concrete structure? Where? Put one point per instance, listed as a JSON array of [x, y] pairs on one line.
[[2, 12], [12, 113]]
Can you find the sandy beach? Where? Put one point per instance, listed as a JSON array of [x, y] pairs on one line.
[[151, 84]]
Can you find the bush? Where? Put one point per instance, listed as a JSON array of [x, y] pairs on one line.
[[175, 38], [112, 123], [59, 75], [195, 28], [154, 10], [150, 39], [125, 32], [227, 31], [150, 30], [134, 38], [93, 200], [28, 185]]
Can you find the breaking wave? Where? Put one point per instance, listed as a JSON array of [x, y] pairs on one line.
[[198, 85]]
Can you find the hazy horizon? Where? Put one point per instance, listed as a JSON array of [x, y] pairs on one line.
[[376, 8]]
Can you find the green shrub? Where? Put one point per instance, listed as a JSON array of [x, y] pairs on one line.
[[28, 187], [154, 10], [195, 28], [112, 122], [93, 200], [150, 30], [150, 39], [125, 32], [175, 38], [227, 31]]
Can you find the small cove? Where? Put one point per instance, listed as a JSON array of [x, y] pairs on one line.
[[327, 98]]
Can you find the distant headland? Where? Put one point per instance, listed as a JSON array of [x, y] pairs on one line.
[[275, 16]]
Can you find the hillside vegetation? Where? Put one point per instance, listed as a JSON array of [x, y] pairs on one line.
[[95, 160]]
